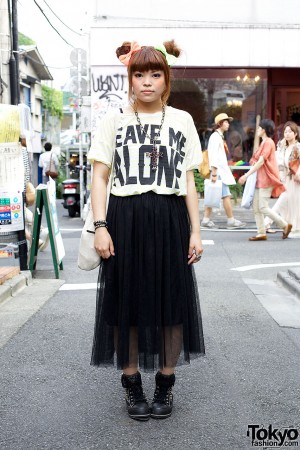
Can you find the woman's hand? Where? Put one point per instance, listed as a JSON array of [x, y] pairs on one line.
[[195, 248], [242, 179], [103, 243]]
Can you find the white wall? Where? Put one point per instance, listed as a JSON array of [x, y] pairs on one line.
[[206, 47], [203, 11]]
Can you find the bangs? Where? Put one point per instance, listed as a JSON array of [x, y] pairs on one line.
[[147, 59]]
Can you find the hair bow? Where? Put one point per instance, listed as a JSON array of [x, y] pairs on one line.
[[171, 59], [134, 47]]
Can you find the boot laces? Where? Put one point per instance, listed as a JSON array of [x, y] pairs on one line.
[[136, 394], [163, 394]]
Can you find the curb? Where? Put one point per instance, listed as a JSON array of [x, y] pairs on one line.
[[15, 285], [290, 280]]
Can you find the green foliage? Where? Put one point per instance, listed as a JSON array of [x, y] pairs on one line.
[[25, 40], [52, 101], [236, 191], [61, 177], [199, 181]]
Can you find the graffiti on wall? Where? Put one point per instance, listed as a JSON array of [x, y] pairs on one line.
[[109, 89]]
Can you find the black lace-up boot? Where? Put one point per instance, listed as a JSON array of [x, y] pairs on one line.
[[137, 405], [162, 404]]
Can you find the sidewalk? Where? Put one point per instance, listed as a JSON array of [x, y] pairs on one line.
[[12, 281]]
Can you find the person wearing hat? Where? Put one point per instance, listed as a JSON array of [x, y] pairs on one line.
[[217, 155]]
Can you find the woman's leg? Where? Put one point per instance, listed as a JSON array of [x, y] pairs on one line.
[[133, 353], [265, 210], [259, 217], [136, 402], [280, 207]]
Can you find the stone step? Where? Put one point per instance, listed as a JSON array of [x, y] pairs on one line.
[[290, 280]]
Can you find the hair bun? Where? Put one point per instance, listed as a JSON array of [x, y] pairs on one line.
[[172, 48], [124, 49]]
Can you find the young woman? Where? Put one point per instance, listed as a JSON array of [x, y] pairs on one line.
[[288, 204], [148, 313], [217, 155], [268, 182]]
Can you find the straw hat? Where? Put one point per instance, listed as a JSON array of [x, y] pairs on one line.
[[222, 116]]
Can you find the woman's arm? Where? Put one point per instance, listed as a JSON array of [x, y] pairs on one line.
[[103, 241], [191, 200], [257, 165]]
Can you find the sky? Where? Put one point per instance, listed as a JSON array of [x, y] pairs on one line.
[[52, 47], [78, 14]]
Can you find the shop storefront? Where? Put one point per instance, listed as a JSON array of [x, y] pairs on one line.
[[246, 72]]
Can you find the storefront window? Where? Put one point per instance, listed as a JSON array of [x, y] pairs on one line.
[[241, 93], [287, 107]]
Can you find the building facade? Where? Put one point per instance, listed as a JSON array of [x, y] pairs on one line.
[[232, 61]]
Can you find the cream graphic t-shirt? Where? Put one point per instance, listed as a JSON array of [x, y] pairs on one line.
[[178, 146]]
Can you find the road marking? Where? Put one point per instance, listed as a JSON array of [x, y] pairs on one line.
[[264, 266], [208, 242], [230, 230], [78, 287]]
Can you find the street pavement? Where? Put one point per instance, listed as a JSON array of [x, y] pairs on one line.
[[51, 398]]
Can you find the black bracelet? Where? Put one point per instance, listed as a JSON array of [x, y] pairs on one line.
[[100, 224]]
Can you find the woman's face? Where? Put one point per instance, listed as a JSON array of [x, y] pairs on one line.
[[148, 86], [260, 132], [289, 135]]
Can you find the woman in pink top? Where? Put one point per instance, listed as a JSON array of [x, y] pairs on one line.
[[268, 182]]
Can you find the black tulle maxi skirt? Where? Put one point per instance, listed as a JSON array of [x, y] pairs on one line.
[[148, 311]]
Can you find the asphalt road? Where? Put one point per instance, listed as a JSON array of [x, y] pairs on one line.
[[51, 398]]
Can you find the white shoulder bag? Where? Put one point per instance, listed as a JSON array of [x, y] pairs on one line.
[[88, 258]]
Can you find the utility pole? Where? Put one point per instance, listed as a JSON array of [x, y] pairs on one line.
[[15, 100], [80, 131]]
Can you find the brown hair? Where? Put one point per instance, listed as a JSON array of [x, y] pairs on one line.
[[294, 127], [219, 124], [148, 58]]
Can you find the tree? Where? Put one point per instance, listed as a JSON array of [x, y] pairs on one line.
[[52, 101], [25, 40]]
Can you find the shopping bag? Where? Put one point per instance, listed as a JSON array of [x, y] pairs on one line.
[[249, 190], [212, 193]]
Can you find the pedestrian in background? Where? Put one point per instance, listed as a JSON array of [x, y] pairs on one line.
[[288, 204], [148, 315], [48, 161], [268, 182], [217, 155]]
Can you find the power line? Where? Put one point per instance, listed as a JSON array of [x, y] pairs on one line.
[[76, 32], [51, 24]]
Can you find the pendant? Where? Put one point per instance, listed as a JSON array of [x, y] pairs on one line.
[[154, 155]]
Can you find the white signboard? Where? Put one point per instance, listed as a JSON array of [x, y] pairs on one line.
[[11, 166], [59, 245], [11, 210]]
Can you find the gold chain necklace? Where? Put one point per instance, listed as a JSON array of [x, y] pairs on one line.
[[155, 154]]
